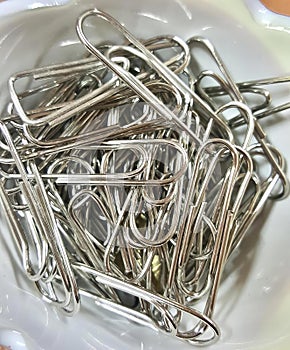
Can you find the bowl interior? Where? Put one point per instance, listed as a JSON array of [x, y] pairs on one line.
[[249, 294]]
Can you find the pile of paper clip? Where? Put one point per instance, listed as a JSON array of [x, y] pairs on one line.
[[131, 175]]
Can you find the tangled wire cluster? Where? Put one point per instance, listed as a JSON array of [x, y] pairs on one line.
[[131, 175]]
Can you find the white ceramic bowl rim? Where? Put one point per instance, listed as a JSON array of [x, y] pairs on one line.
[[13, 6]]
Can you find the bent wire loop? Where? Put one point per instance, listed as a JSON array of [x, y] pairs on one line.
[[129, 178]]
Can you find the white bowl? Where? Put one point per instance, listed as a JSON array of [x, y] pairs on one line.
[[254, 300]]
